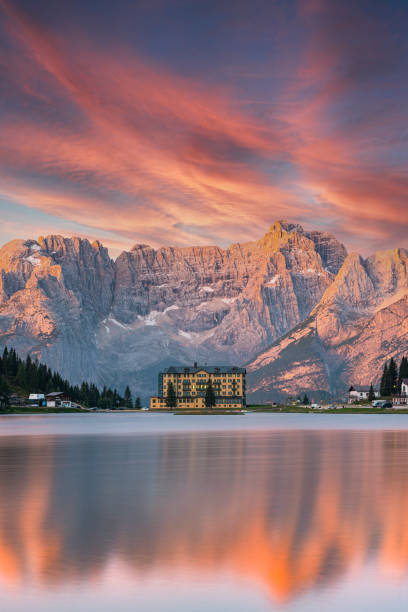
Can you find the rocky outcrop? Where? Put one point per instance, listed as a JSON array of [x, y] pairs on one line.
[[54, 292], [361, 320], [64, 301]]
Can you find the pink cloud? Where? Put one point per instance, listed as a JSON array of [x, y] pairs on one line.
[[150, 155]]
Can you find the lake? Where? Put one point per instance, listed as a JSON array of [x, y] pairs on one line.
[[254, 513]]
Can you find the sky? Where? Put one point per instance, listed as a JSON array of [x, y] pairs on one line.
[[173, 122]]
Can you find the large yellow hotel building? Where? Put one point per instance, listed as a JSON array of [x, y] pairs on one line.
[[190, 384]]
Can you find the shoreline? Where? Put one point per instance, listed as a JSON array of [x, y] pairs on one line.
[[18, 411]]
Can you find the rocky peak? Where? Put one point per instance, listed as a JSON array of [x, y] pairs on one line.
[[283, 233], [332, 252], [352, 285], [80, 266], [282, 225], [388, 270]]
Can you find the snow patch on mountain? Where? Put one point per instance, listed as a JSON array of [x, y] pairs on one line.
[[34, 261], [126, 327], [185, 334], [170, 308], [151, 318]]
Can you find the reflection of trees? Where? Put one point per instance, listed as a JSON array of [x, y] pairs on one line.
[[293, 509]]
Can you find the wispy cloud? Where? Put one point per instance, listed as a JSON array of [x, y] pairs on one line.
[[115, 142]]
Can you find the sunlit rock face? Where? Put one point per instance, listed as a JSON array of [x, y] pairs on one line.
[[361, 320], [117, 323], [53, 293]]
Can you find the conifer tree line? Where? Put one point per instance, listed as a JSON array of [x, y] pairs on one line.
[[393, 376], [30, 376]]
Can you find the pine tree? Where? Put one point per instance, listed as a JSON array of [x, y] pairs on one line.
[[384, 381], [5, 359], [84, 393], [392, 377], [171, 399], [371, 394], [21, 377], [4, 392], [12, 362], [138, 404], [93, 397], [209, 395], [128, 398], [31, 376], [306, 400]]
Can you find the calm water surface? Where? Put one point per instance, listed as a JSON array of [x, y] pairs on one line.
[[254, 513]]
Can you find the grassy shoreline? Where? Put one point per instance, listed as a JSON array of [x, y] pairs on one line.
[[22, 410], [27, 410], [289, 410], [266, 408]]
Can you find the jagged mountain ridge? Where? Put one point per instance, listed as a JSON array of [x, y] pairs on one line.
[[66, 302], [361, 320]]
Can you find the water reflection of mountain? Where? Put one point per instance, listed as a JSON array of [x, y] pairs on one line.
[[291, 509]]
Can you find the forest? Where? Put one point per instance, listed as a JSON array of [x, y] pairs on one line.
[[24, 376]]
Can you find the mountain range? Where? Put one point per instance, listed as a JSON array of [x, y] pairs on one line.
[[293, 306]]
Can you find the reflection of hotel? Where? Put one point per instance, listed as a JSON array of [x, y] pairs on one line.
[[190, 385]]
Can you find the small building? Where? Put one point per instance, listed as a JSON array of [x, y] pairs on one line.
[[402, 398], [358, 394], [190, 385], [18, 400], [37, 399], [58, 399]]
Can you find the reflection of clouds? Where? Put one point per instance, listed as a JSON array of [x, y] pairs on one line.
[[293, 510], [27, 545]]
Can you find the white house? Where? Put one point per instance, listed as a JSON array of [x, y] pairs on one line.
[[37, 399], [58, 399], [357, 394], [402, 400]]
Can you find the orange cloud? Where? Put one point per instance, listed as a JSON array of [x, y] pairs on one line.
[[122, 145], [154, 149]]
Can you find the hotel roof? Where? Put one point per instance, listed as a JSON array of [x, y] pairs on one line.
[[209, 369]]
